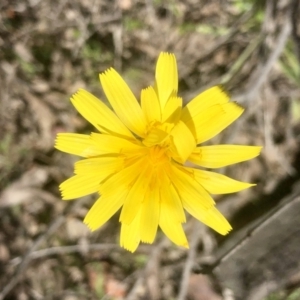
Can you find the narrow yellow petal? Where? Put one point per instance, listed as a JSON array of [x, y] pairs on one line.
[[204, 117], [169, 223], [108, 144], [171, 199], [78, 144], [218, 123], [102, 167], [123, 101], [211, 121], [136, 194], [92, 165], [210, 97], [79, 186], [172, 110], [199, 122], [150, 105], [103, 209], [122, 180], [98, 114], [216, 183], [210, 217], [172, 229], [183, 142], [166, 77], [130, 234], [218, 156], [188, 188], [150, 215]]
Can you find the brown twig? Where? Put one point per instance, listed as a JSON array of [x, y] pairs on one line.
[[196, 236], [262, 71], [27, 259], [60, 250], [269, 217], [149, 270], [295, 7], [28, 256], [226, 38]]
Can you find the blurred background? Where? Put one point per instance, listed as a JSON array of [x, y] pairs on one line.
[[49, 49]]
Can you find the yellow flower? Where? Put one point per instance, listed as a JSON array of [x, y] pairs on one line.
[[137, 160]]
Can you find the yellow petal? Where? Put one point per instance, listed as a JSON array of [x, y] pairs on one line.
[[199, 122], [103, 209], [213, 120], [150, 105], [123, 101], [218, 156], [171, 200], [122, 180], [166, 77], [173, 230], [210, 217], [172, 110], [150, 215], [108, 144], [168, 219], [79, 186], [188, 188], [78, 144], [136, 194], [101, 167], [216, 183], [130, 234], [98, 114], [183, 142], [203, 101], [231, 112]]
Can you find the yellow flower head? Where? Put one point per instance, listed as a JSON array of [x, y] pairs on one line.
[[137, 160]]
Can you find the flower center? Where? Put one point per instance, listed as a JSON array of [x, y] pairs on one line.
[[158, 156]]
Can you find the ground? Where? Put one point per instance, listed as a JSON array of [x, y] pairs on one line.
[[49, 49]]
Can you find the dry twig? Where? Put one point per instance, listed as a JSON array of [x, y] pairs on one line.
[[56, 223], [196, 237]]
